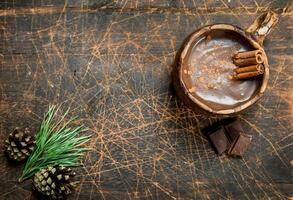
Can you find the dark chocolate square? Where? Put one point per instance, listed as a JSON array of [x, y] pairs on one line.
[[219, 140], [240, 145], [233, 130]]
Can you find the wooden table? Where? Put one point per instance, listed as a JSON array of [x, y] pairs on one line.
[[110, 62]]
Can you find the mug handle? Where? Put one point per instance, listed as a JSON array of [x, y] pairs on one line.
[[262, 26]]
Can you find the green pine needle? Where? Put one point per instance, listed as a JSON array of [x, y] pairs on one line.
[[56, 144]]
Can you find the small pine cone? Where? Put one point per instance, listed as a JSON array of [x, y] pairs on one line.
[[54, 182], [19, 145]]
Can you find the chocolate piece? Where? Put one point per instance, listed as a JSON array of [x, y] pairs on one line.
[[229, 137], [240, 145], [233, 130], [219, 140]]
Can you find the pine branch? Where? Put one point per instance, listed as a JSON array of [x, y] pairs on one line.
[[56, 144]]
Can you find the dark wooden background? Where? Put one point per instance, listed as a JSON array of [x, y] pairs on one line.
[[110, 62]]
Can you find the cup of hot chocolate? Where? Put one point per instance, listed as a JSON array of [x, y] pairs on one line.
[[203, 77]]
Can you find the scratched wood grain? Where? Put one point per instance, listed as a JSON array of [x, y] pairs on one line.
[[110, 62]]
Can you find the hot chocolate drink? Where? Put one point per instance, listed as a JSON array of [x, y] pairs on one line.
[[207, 71]]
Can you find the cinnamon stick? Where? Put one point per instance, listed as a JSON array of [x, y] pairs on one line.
[[246, 75], [248, 61], [259, 58], [249, 69], [247, 54]]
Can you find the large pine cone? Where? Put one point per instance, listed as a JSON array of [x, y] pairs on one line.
[[19, 145], [54, 182]]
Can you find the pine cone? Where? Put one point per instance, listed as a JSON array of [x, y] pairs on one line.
[[19, 145], [54, 182]]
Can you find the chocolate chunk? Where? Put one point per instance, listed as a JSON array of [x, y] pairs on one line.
[[240, 145], [233, 130], [219, 140], [228, 136]]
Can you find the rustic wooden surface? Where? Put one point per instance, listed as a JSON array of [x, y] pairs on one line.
[[110, 61]]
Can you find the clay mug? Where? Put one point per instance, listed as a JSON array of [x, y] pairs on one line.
[[206, 58]]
